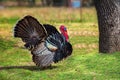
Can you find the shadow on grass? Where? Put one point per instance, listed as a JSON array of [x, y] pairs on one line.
[[31, 68]]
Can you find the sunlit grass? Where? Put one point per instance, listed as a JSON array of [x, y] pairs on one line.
[[50, 15]]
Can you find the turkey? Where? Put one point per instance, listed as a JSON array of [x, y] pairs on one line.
[[46, 44]]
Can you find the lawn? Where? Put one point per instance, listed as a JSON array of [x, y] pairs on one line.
[[84, 64]]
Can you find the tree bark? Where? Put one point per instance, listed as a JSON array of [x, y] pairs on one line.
[[108, 13]]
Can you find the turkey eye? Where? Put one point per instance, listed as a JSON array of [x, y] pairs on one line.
[[65, 29]]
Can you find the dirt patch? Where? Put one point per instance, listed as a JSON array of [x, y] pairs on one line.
[[89, 46], [83, 33]]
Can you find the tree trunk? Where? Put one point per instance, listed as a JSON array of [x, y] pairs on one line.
[[108, 12]]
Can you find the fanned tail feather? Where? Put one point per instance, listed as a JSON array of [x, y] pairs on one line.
[[30, 31]]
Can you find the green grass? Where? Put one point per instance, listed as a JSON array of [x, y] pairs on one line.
[[84, 64], [83, 39]]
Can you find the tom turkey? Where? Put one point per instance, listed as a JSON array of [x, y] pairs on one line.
[[46, 44]]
